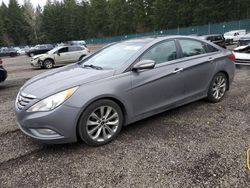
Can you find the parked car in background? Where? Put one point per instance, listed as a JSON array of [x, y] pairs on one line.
[[234, 36], [11, 52], [242, 55], [39, 49], [23, 51], [3, 72], [245, 40], [60, 55], [121, 84], [77, 43], [217, 39], [17, 48]]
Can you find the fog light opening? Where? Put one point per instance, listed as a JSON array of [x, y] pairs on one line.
[[44, 133]]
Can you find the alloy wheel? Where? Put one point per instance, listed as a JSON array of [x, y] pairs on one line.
[[102, 123], [219, 87], [48, 64]]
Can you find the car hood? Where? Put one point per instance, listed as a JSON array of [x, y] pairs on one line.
[[62, 78], [37, 56], [241, 47]]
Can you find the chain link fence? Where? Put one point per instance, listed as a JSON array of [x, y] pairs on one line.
[[219, 28]]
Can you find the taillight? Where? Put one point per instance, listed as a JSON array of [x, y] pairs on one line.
[[232, 57]]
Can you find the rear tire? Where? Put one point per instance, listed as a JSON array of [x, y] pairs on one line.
[[12, 55], [100, 123], [218, 88]]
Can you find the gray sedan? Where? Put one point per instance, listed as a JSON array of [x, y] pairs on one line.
[[120, 84]]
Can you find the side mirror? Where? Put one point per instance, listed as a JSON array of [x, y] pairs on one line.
[[144, 64], [58, 53]]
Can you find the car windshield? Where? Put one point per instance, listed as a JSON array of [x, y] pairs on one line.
[[229, 34], [114, 56]]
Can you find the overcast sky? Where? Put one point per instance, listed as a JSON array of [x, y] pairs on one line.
[[35, 2]]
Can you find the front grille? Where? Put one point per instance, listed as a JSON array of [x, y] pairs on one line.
[[23, 100]]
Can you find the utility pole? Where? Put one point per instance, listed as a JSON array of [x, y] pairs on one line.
[[209, 28]]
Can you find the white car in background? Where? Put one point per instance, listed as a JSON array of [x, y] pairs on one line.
[[234, 36], [60, 56], [242, 55], [22, 51]]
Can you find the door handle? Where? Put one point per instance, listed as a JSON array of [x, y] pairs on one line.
[[177, 70], [211, 59]]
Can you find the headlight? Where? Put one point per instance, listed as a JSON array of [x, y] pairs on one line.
[[50, 103]]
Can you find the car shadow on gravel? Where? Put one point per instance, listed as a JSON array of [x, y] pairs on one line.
[[137, 130], [9, 84]]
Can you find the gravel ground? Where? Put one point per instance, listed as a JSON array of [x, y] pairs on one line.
[[198, 145]]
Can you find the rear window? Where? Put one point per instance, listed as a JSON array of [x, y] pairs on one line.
[[218, 37], [211, 49], [210, 38]]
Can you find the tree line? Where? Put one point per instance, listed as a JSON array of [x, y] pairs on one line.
[[75, 20]]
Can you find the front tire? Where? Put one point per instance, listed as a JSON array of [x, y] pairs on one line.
[[48, 64], [100, 123], [218, 88]]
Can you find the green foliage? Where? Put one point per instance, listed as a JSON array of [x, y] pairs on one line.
[[67, 20]]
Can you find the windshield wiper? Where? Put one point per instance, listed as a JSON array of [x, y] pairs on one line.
[[93, 67]]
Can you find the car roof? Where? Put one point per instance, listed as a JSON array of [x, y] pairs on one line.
[[158, 38], [71, 46]]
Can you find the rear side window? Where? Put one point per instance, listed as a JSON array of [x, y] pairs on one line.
[[161, 53], [192, 47]]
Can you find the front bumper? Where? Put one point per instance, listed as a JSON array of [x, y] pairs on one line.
[[62, 122], [35, 63]]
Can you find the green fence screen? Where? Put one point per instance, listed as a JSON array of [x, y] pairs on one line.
[[219, 28]]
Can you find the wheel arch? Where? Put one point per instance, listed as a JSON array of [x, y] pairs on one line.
[[49, 58], [112, 98], [81, 57]]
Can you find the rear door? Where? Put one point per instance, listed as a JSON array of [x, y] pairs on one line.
[[75, 52], [198, 63], [155, 89]]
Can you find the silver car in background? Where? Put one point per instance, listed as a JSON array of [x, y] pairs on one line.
[[120, 84]]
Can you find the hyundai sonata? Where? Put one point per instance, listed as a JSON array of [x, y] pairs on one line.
[[120, 84]]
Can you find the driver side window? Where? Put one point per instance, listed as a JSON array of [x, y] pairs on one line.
[[161, 53], [63, 50]]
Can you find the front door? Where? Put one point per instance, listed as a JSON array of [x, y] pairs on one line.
[[62, 56], [155, 89]]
